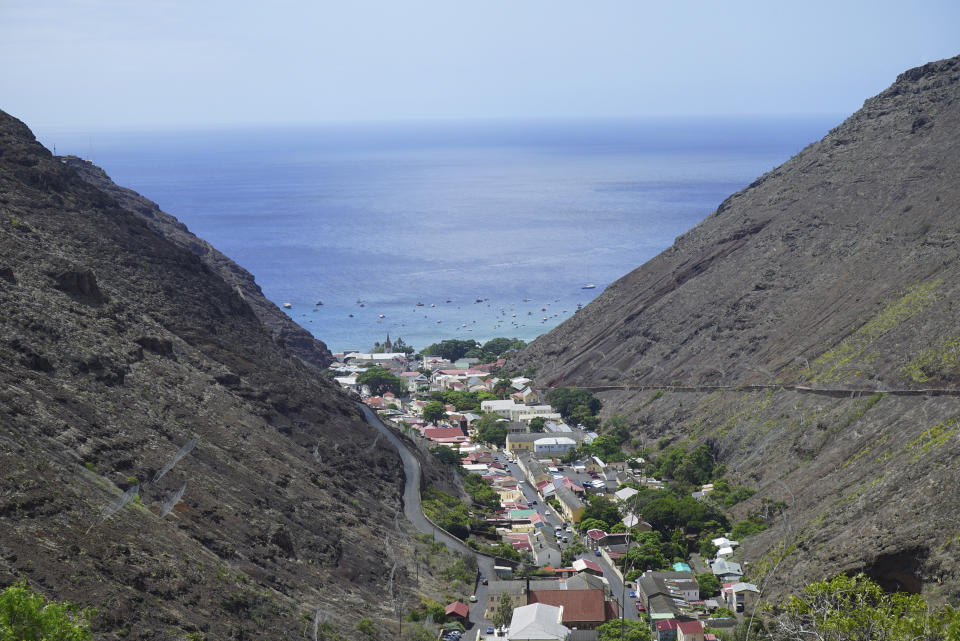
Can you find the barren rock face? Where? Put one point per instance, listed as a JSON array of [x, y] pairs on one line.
[[118, 346], [836, 271]]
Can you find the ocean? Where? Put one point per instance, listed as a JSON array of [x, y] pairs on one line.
[[495, 227]]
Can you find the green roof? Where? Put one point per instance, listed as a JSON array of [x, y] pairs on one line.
[[521, 514]]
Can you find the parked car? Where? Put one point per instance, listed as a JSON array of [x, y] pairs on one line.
[[640, 607], [484, 581], [633, 595], [597, 553], [473, 598], [489, 629]]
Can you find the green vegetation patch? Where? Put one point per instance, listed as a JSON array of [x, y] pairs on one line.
[[938, 362], [26, 615], [931, 439], [834, 364]]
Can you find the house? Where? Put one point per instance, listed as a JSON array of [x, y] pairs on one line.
[[518, 444], [457, 610], [667, 592], [545, 550], [666, 629], [726, 571], [740, 597], [535, 472], [503, 408], [624, 494], [570, 504], [689, 631], [581, 609], [587, 567], [537, 622], [516, 591], [553, 445]]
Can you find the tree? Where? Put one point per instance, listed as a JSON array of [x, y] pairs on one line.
[[855, 608], [618, 427], [587, 524], [446, 455], [451, 349], [709, 584], [624, 630], [502, 388], [503, 613], [566, 399], [28, 616], [538, 424], [601, 508], [490, 429], [434, 411], [498, 346], [381, 381], [365, 627]]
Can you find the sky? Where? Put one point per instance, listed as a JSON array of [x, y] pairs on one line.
[[162, 64]]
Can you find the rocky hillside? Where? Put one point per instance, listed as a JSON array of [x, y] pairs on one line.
[[163, 457], [835, 271], [298, 341]]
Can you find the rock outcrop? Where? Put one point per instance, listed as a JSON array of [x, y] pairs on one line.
[[835, 271], [298, 341], [122, 342]]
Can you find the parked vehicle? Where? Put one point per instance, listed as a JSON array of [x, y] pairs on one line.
[[473, 598]]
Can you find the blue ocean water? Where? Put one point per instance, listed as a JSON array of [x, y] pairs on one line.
[[372, 219]]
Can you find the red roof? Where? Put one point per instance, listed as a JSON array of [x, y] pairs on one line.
[[593, 566], [666, 624], [457, 608], [442, 432], [579, 606], [690, 627], [596, 534]]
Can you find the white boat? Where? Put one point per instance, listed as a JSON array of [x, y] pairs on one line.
[[589, 286], [287, 305]]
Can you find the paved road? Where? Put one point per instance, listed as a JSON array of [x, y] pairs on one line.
[[413, 510]]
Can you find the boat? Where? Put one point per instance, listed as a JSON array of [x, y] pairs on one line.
[[383, 315], [479, 300], [287, 305], [319, 303], [419, 304], [589, 286]]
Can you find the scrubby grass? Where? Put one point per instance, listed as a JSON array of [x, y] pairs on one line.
[[834, 364]]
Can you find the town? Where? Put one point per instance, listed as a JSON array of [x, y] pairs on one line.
[[589, 542]]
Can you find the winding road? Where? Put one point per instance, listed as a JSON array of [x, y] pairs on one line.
[[413, 510]]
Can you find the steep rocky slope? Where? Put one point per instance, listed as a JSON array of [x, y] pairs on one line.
[[836, 271], [118, 347], [298, 341]]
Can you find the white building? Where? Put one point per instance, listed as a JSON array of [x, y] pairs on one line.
[[553, 445], [537, 622]]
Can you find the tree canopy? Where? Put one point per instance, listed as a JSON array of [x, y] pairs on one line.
[[451, 349], [490, 429], [27, 616], [434, 411], [381, 381]]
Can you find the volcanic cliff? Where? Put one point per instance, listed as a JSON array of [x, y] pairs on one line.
[[163, 456], [807, 330]]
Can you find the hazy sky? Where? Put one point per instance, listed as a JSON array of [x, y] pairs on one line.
[[168, 63]]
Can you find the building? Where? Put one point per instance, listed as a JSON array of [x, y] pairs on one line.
[[689, 631], [570, 504], [553, 445], [726, 571], [520, 443], [668, 592], [740, 597], [581, 609], [516, 591], [537, 622]]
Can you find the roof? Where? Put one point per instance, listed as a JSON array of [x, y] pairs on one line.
[[679, 566], [537, 621], [554, 440], [723, 566], [582, 564], [744, 587], [596, 534], [625, 493], [457, 608], [443, 432], [578, 605], [666, 624], [690, 627], [510, 587]]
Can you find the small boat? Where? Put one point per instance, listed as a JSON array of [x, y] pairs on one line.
[[383, 315], [526, 300], [448, 300], [432, 305], [350, 315], [589, 286], [287, 305], [319, 303], [479, 300], [419, 304]]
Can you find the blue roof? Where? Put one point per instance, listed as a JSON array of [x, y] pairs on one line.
[[681, 567]]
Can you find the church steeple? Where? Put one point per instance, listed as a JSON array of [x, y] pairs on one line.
[[387, 345]]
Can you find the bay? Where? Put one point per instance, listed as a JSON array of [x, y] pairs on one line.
[[373, 218]]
